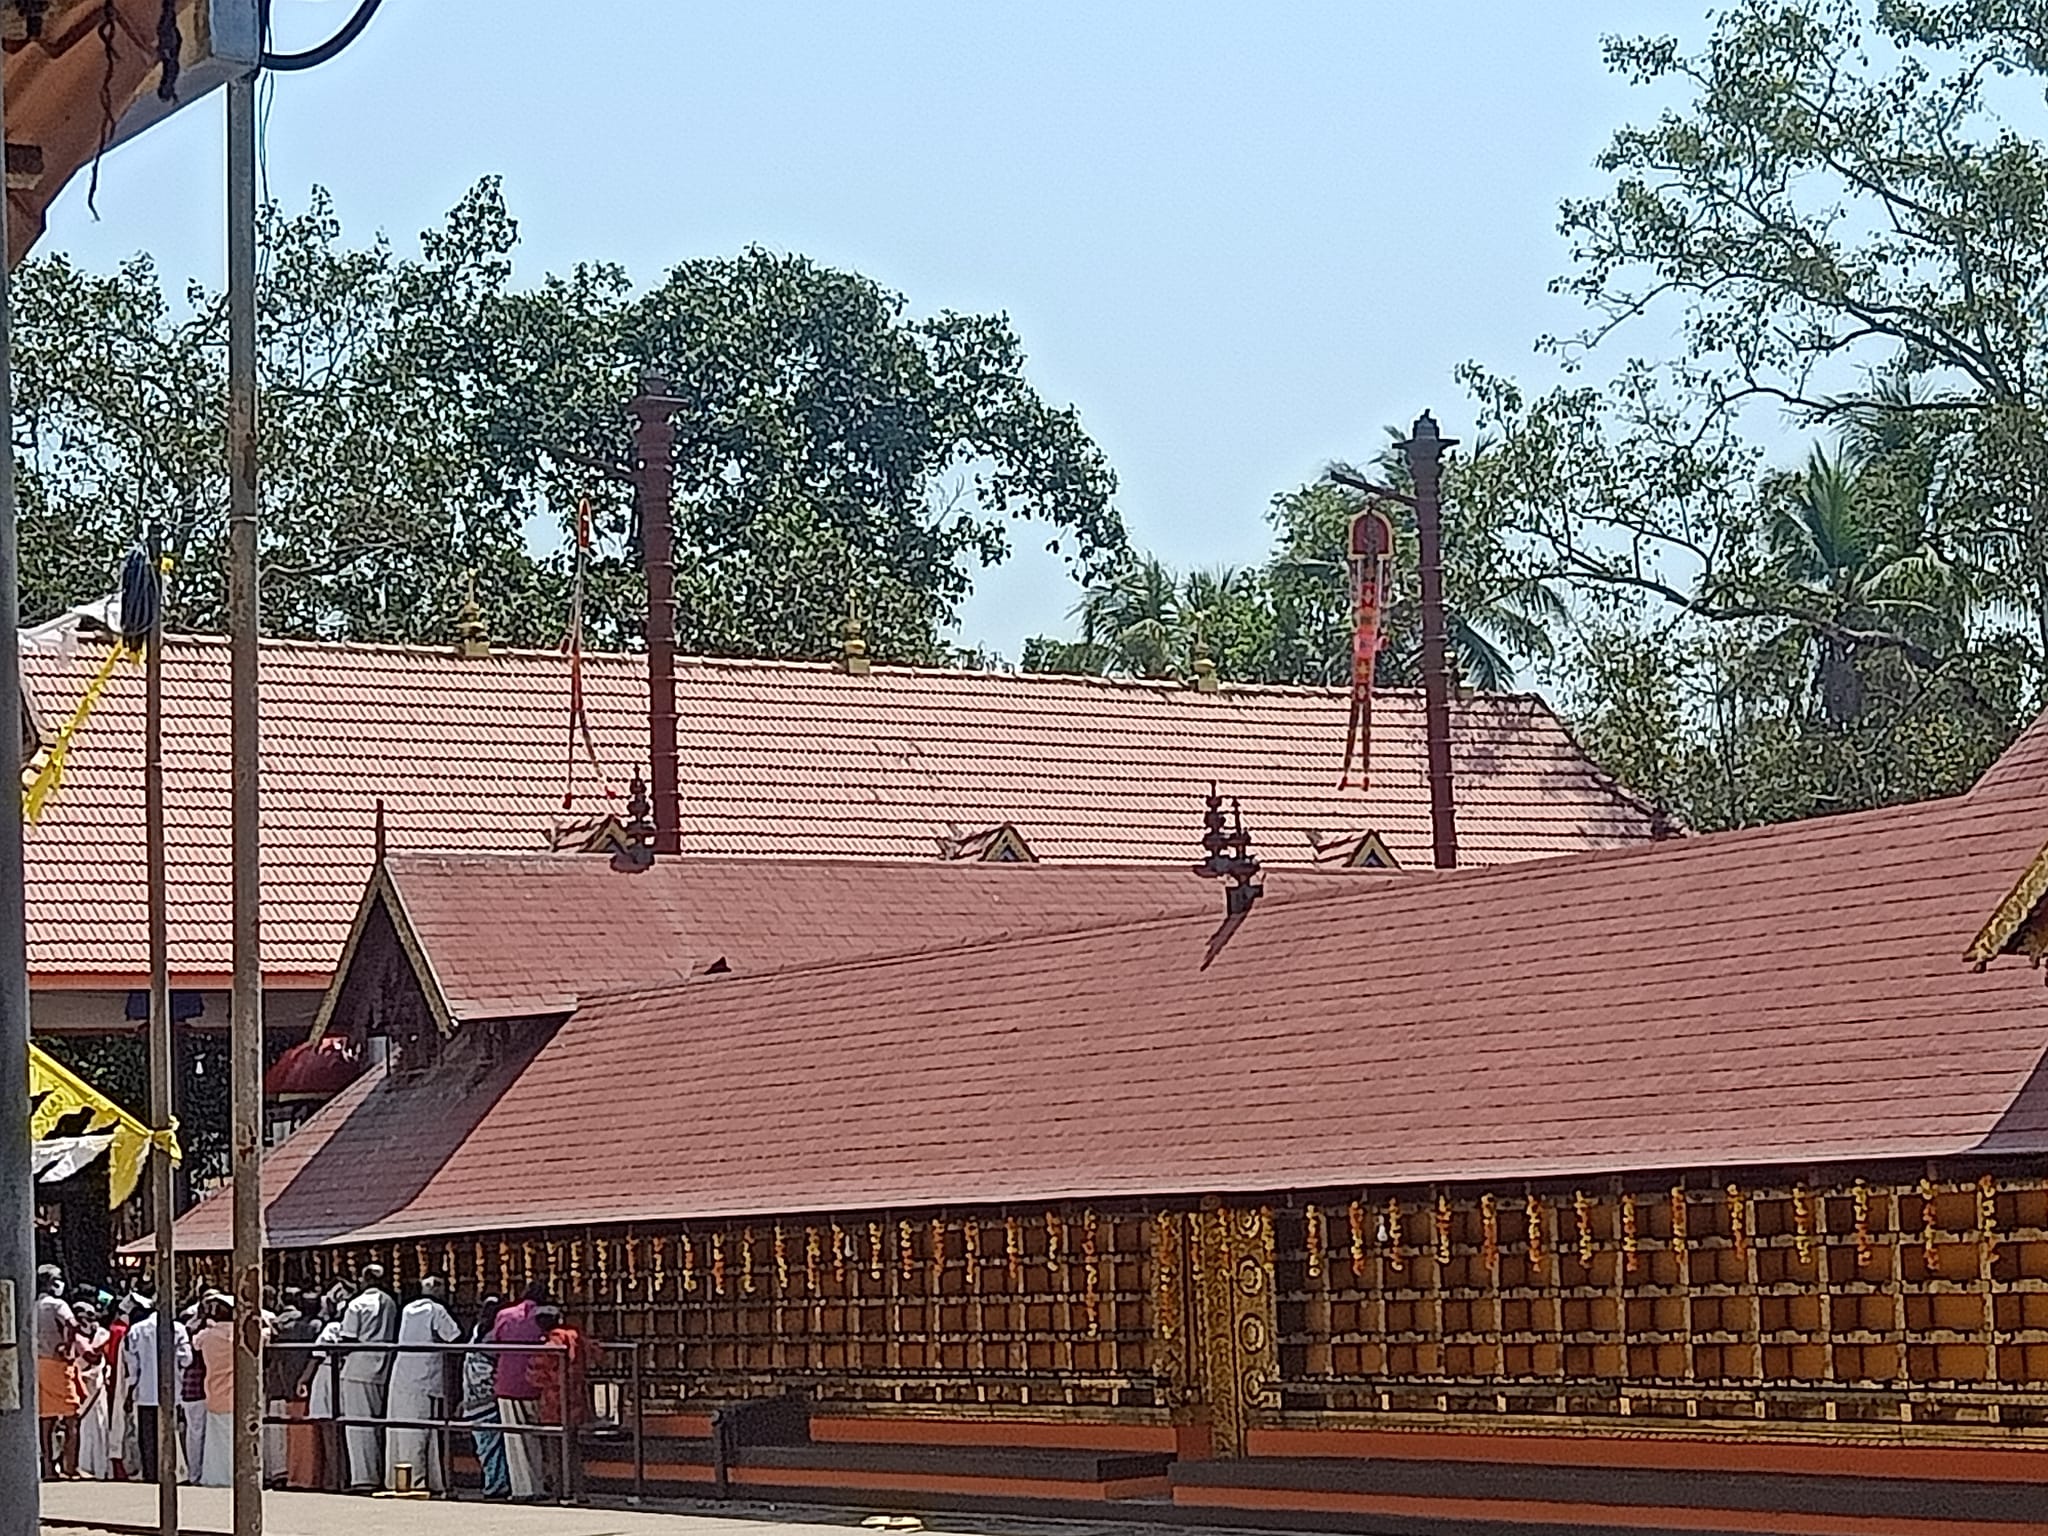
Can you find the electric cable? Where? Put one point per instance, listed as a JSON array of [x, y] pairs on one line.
[[313, 58]]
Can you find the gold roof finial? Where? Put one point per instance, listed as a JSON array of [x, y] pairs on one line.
[[853, 649], [1205, 664], [472, 635]]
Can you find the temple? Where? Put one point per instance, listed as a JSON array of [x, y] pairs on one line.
[[468, 748], [1522, 1194]]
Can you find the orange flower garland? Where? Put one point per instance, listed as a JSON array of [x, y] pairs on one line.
[[1679, 1233], [1632, 1259], [1442, 1225], [838, 1254], [1091, 1273], [1489, 1232], [746, 1261], [1802, 1223], [1738, 1223], [874, 1250], [938, 1255], [1582, 1209], [1987, 1217], [906, 1250], [1013, 1253], [1532, 1211], [1859, 1198], [718, 1261], [1929, 1249], [1315, 1239], [781, 1252], [1391, 1220], [688, 1247], [1357, 1214], [811, 1255]]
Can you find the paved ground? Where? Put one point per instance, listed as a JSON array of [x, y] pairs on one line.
[[96, 1509]]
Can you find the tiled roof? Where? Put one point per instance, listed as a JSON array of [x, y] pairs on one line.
[[778, 758], [1787, 995], [519, 935]]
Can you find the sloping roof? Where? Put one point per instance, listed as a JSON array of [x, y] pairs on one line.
[[61, 82], [779, 758], [1789, 995], [521, 935]]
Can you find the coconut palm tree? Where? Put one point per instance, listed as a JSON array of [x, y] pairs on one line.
[[1829, 543]]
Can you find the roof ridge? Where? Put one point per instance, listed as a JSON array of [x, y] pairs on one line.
[[500, 652], [1422, 885]]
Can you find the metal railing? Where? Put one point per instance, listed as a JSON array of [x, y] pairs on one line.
[[564, 1432]]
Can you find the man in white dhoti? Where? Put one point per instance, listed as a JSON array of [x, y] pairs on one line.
[[372, 1318], [419, 1388]]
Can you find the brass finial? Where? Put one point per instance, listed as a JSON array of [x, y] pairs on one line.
[[1205, 664], [853, 649], [472, 635]]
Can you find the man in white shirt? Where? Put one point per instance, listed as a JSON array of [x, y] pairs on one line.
[[138, 1361], [372, 1318], [419, 1388]]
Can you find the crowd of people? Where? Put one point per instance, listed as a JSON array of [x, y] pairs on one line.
[[359, 1390]]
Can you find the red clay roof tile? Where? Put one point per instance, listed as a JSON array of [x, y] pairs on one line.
[[779, 758], [1788, 995]]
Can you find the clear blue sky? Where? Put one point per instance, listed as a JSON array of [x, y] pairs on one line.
[[1241, 238]]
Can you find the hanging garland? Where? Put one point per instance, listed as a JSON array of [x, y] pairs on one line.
[[1357, 1214], [1316, 1239], [1013, 1253], [1987, 1218], [1091, 1272], [1679, 1233], [1532, 1211], [1930, 1250], [1631, 1256], [1859, 1198], [1442, 1225], [1582, 1209], [1489, 1232], [1738, 1223], [1802, 1223]]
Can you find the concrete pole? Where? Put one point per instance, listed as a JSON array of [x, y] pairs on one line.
[[162, 1061], [20, 1457], [1425, 451], [246, 1013]]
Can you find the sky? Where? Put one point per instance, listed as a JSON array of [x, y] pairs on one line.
[[1240, 239]]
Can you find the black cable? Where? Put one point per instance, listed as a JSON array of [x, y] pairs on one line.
[[313, 58]]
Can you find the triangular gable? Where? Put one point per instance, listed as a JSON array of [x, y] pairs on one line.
[[382, 895], [1001, 844], [2019, 924], [1352, 850]]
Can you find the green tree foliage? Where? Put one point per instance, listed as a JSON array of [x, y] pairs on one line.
[[1844, 227], [425, 418], [1289, 620]]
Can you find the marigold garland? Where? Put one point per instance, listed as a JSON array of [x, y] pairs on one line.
[[601, 1250], [906, 1250], [1680, 1233], [660, 1260], [1315, 1239], [477, 1251], [1489, 1232], [1532, 1212], [1357, 1214], [1738, 1223], [838, 1255], [504, 1268], [1091, 1272], [811, 1255], [718, 1261], [1013, 1253], [1987, 1217], [970, 1252], [1859, 1198], [1802, 1223], [938, 1255], [1631, 1254], [746, 1261], [875, 1250], [1390, 1235], [687, 1246], [1055, 1242], [1442, 1225], [1582, 1211], [1929, 1249], [632, 1251]]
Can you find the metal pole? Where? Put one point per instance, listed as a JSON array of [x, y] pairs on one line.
[[654, 476], [246, 1016], [1425, 450], [162, 1058], [20, 1454]]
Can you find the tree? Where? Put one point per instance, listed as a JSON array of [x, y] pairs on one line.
[[424, 419], [1843, 229]]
